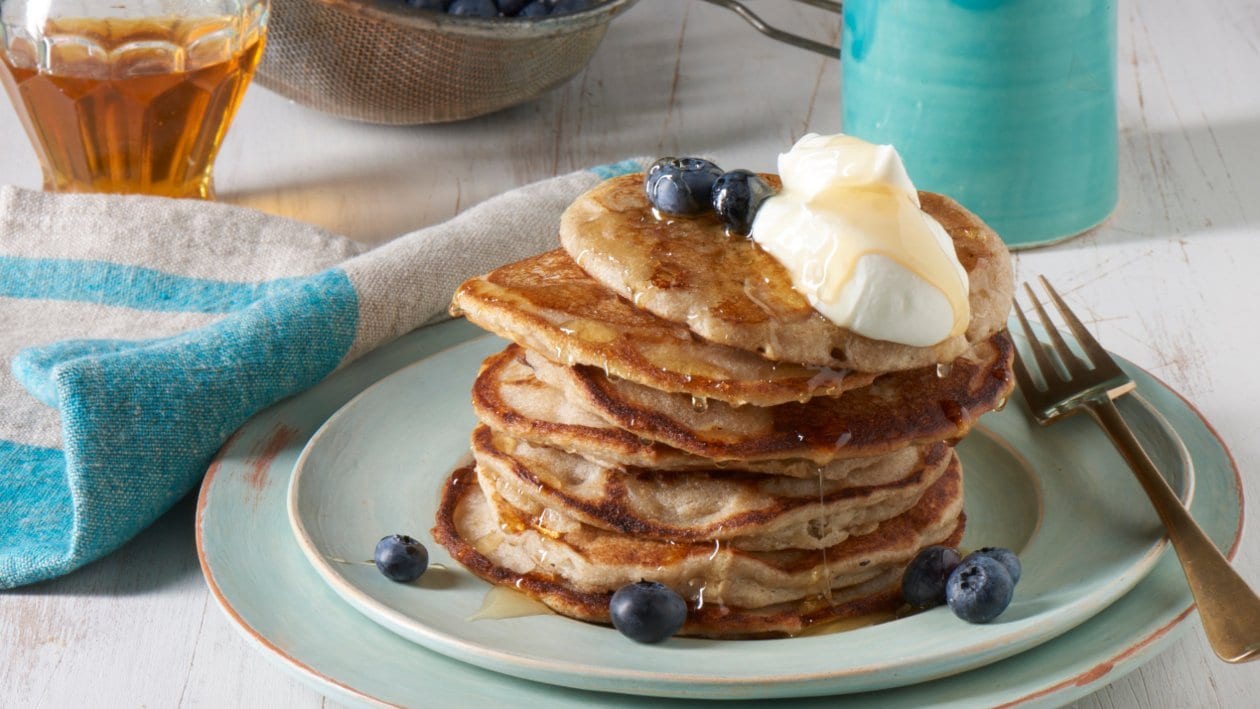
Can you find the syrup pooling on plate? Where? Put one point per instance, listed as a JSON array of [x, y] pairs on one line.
[[845, 625], [502, 602]]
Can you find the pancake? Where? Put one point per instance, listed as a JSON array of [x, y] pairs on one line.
[[727, 290], [508, 397], [548, 304], [748, 510], [898, 410], [730, 592]]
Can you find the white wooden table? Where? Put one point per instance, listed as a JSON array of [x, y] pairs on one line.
[[1171, 282]]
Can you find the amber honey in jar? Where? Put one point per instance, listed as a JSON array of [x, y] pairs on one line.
[[130, 104]]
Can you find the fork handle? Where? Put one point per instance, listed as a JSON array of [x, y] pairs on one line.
[[1229, 609]]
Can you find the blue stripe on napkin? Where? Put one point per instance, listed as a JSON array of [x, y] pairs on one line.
[[142, 420], [33, 367], [32, 473], [127, 286]]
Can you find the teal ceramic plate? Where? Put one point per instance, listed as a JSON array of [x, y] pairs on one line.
[[1060, 497], [268, 589]]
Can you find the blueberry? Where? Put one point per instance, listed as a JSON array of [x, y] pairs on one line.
[[401, 558], [923, 583], [510, 7], [979, 589], [681, 185], [566, 7], [647, 612], [473, 8], [737, 195], [439, 5], [1005, 557], [537, 8]]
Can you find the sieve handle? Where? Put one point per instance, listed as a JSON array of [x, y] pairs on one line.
[[775, 33]]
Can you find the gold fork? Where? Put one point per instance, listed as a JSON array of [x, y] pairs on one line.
[[1230, 611]]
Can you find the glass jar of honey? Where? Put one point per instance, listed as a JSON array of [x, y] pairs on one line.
[[129, 96]]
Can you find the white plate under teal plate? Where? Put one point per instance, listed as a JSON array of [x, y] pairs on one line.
[[267, 588], [1060, 496]]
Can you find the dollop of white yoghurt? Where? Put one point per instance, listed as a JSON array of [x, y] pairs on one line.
[[848, 228]]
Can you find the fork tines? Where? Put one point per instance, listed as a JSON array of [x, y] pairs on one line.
[[1069, 380]]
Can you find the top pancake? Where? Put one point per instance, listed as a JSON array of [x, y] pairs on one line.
[[549, 305], [727, 290]]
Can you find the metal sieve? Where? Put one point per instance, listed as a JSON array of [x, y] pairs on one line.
[[382, 62], [827, 50]]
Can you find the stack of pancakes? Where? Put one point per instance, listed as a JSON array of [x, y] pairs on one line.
[[672, 410]]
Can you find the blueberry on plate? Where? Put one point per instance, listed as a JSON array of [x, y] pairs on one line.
[[473, 8], [511, 7], [647, 611], [979, 589], [923, 583], [1003, 556], [681, 185], [438, 5], [737, 195], [401, 558]]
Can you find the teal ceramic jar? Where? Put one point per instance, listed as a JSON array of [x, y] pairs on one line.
[[1007, 106]]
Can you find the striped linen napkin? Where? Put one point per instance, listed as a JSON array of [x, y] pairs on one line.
[[143, 331]]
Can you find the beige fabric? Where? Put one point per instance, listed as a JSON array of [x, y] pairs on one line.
[[421, 271], [186, 237], [401, 285]]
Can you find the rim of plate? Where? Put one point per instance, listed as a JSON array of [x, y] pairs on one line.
[[203, 495]]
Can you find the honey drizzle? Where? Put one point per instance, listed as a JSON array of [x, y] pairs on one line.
[[502, 602], [826, 582], [772, 348], [843, 625]]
